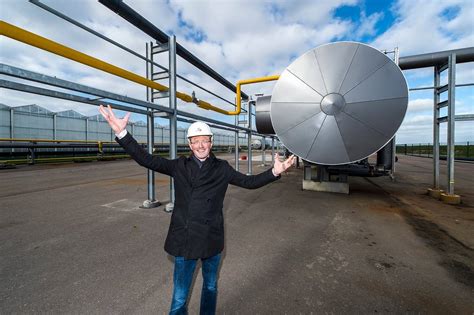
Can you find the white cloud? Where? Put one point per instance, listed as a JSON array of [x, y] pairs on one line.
[[420, 27], [240, 39], [367, 25], [421, 104]]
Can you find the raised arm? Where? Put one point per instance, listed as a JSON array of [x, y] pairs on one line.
[[257, 181], [281, 166], [131, 146], [117, 124]]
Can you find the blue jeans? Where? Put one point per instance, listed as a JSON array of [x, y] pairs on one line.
[[182, 278]]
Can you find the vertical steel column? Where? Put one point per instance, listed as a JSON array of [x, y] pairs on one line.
[[236, 143], [273, 151], [147, 66], [451, 120], [55, 132], [394, 152], [435, 128], [55, 121], [12, 119], [394, 144], [87, 129], [149, 141], [150, 130], [263, 150], [249, 138], [173, 117], [12, 129]]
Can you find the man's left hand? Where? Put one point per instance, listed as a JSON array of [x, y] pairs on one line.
[[279, 167]]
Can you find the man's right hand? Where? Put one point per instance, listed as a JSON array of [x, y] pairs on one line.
[[117, 124]]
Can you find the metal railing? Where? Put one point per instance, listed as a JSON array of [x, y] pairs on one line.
[[462, 150]]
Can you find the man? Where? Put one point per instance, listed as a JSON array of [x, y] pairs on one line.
[[197, 227]]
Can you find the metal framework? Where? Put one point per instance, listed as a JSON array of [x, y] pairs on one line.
[[155, 90], [443, 61], [440, 60]]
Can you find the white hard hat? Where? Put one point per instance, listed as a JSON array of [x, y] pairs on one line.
[[199, 128]]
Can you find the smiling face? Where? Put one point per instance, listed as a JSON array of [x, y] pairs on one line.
[[201, 146]]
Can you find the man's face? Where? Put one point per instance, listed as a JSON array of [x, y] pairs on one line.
[[201, 146]]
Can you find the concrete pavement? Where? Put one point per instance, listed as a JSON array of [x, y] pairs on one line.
[[74, 240]]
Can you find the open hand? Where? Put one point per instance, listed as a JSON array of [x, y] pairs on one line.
[[117, 124], [279, 167]]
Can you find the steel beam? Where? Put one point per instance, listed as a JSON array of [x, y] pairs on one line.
[[182, 116], [468, 117], [436, 59], [236, 143], [65, 96], [66, 18], [173, 117], [150, 135], [147, 27], [49, 80], [249, 139], [87, 129], [55, 125], [273, 150], [12, 131], [451, 120], [436, 129]]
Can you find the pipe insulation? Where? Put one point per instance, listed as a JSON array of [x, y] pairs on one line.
[[337, 103]]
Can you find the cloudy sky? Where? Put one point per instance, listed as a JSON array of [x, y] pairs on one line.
[[244, 39]]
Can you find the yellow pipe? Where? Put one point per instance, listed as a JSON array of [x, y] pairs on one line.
[[32, 39], [248, 81]]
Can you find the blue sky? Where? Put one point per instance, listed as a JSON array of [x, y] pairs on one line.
[[245, 39]]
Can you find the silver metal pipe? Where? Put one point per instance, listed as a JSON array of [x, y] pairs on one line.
[[249, 138], [436, 87], [12, 120], [41, 78], [147, 73], [236, 135], [12, 130], [263, 120], [65, 96], [436, 58], [451, 120], [80, 25], [147, 27], [87, 129], [55, 124], [394, 141], [173, 116], [150, 143], [467, 117], [436, 130], [216, 123], [394, 152], [273, 151], [150, 130]]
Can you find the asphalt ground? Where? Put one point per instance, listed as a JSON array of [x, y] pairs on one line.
[[73, 240]]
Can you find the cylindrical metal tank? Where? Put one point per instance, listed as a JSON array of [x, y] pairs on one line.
[[263, 121], [338, 103]]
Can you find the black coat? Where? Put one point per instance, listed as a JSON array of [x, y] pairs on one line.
[[197, 226]]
